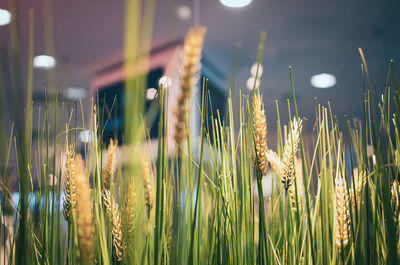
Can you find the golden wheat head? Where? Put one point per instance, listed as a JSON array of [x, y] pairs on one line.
[[300, 185], [299, 176], [148, 192], [395, 190], [275, 161], [70, 184], [193, 46], [110, 164], [342, 220], [289, 153], [130, 205], [360, 179], [114, 216], [84, 221], [260, 134]]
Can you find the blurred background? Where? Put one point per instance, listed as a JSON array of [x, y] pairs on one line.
[[79, 45]]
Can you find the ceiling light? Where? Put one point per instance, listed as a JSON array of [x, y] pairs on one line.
[[5, 17], [164, 81], [151, 93], [235, 3], [323, 80], [86, 136], [254, 72], [250, 83], [184, 12], [44, 62], [75, 93]]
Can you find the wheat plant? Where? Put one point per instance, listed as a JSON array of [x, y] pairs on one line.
[[334, 191]]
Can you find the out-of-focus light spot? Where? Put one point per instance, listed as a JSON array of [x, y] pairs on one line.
[[164, 81], [86, 136], [250, 83], [235, 3], [253, 70], [44, 62], [151, 93], [323, 80], [370, 150], [33, 200], [75, 93], [5, 17], [184, 12], [51, 179]]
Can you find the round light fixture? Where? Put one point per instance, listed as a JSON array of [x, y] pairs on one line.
[[86, 136], [151, 93], [184, 12], [323, 80], [164, 81], [44, 62], [252, 83], [253, 70], [235, 3], [75, 93], [5, 17]]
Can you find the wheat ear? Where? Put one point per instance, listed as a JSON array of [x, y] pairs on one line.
[[275, 161], [115, 218], [70, 184], [148, 192], [260, 134], [299, 176], [395, 190], [193, 46], [130, 205], [342, 221], [84, 222], [360, 179], [110, 164], [300, 192], [289, 153]]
